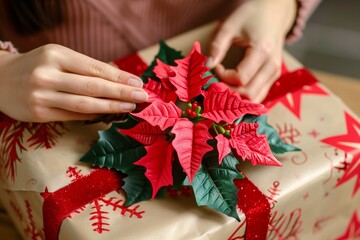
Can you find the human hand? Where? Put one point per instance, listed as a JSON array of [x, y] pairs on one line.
[[54, 83], [259, 26]]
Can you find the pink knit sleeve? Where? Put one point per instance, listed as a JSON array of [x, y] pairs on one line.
[[7, 46], [305, 9]]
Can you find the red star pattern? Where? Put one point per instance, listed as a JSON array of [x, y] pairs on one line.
[[349, 143], [296, 84], [353, 229], [314, 133]]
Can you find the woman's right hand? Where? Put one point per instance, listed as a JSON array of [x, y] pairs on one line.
[[54, 83]]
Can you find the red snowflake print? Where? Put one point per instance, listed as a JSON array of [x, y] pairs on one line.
[[288, 133], [285, 226], [99, 214]]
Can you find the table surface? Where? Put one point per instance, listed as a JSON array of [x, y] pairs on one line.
[[348, 89]]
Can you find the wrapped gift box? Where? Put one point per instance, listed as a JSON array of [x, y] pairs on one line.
[[313, 196]]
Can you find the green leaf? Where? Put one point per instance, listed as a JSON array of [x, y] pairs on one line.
[[167, 55], [276, 144], [136, 186], [211, 80], [114, 150], [213, 184], [128, 123]]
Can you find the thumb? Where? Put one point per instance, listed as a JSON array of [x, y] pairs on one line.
[[220, 45]]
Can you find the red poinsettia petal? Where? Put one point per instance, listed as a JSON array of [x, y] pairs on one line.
[[144, 133], [160, 114], [223, 147], [189, 75], [158, 164], [163, 72], [190, 144], [157, 91], [251, 146], [227, 105]]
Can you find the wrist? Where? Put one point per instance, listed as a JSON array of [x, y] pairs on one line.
[[286, 11]]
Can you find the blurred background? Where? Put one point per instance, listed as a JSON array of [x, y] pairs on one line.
[[331, 40]]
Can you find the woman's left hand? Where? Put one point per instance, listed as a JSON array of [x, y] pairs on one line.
[[259, 26]]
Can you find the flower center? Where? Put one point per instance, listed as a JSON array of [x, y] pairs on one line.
[[223, 128], [192, 111]]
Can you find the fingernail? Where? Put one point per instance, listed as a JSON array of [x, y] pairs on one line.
[[135, 82], [139, 96], [209, 62], [127, 106]]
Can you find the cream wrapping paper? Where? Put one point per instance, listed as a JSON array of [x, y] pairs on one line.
[[305, 199]]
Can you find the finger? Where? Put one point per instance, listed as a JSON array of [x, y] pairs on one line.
[[229, 76], [220, 44], [257, 89], [97, 87], [87, 105], [55, 114], [253, 60], [87, 66]]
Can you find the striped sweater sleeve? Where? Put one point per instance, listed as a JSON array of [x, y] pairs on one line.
[[304, 11]]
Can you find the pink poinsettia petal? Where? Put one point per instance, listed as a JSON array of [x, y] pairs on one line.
[[158, 164], [160, 114], [189, 75], [157, 91], [144, 133], [190, 143], [251, 146], [227, 105], [223, 147], [164, 72]]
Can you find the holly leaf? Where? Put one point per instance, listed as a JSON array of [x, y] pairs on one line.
[[114, 150], [167, 55], [189, 75], [223, 104], [251, 146], [213, 184], [158, 164], [144, 133], [157, 91], [277, 145], [223, 147], [190, 144], [160, 114], [136, 186]]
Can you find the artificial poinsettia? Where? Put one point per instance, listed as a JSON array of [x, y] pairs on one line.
[[192, 134]]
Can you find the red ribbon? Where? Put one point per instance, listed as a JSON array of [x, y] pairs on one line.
[[254, 204], [60, 204]]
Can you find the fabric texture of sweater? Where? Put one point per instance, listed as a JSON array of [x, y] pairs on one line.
[[108, 29]]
